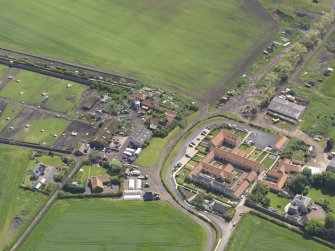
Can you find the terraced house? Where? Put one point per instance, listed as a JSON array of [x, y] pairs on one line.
[[226, 170]]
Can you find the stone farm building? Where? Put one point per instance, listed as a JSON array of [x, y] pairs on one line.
[[217, 170], [286, 110]]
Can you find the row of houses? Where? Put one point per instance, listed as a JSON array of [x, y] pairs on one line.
[[221, 177]]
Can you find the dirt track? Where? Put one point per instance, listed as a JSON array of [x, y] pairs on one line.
[[253, 6]]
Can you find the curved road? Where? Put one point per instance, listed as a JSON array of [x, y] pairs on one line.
[[261, 139]]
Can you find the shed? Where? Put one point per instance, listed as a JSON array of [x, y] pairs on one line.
[[140, 137], [286, 110]]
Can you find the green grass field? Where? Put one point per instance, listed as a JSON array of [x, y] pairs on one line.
[[111, 225], [3, 69], [319, 116], [13, 200], [10, 112], [191, 44], [151, 155], [254, 234], [32, 85], [51, 127]]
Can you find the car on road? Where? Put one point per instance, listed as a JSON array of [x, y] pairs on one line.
[[241, 213], [234, 224]]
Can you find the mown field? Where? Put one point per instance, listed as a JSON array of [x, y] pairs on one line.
[[14, 201], [190, 44], [106, 225], [41, 130], [61, 98], [8, 114], [254, 234]]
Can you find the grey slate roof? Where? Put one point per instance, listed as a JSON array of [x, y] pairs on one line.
[[286, 108]]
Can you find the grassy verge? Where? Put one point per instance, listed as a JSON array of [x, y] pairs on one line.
[[151, 155]]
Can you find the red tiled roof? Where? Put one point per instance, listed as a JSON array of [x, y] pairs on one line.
[[239, 159], [280, 143], [241, 188], [223, 135], [251, 176]]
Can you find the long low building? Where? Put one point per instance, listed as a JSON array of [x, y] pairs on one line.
[[286, 110], [216, 170]]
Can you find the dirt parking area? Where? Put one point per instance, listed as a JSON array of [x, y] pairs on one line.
[[317, 213], [84, 131]]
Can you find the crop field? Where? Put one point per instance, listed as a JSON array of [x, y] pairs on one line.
[[76, 225], [34, 127], [63, 96], [8, 112], [188, 44], [253, 233], [17, 206]]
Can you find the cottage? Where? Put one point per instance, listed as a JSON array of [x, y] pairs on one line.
[[39, 170], [98, 183]]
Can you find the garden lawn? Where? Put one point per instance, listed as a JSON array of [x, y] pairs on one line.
[[254, 154], [268, 162], [10, 112], [254, 234], [320, 194], [88, 172], [261, 156], [190, 44], [13, 200], [60, 97], [51, 127], [277, 202], [115, 225]]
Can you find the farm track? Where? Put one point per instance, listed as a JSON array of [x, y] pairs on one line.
[[127, 82]]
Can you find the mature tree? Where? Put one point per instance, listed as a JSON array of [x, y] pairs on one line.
[[283, 69], [311, 38], [298, 183], [308, 173], [115, 167], [330, 145], [330, 220], [199, 201], [324, 180], [313, 226]]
